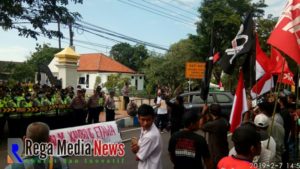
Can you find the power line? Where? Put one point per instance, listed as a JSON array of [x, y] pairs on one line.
[[120, 36], [107, 38], [166, 9], [162, 12], [166, 16], [113, 32], [182, 8]]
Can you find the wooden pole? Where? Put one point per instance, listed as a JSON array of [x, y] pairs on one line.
[[275, 106]]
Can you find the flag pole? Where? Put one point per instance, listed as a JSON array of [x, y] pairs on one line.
[[275, 106]]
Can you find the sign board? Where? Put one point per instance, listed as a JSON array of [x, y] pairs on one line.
[[107, 132], [194, 70]]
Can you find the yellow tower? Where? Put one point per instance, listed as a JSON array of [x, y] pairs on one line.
[[67, 67]]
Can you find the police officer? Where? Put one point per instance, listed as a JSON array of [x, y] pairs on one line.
[[14, 118], [27, 117], [38, 102], [50, 115], [78, 105], [2, 115]]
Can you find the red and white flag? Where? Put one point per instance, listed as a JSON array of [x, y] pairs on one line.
[[288, 78], [277, 61], [239, 104], [262, 61], [264, 85], [286, 34]]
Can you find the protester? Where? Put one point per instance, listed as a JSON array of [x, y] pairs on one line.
[[148, 148], [217, 132], [125, 94], [162, 112], [110, 106], [177, 110], [277, 129], [132, 108], [268, 152], [247, 145], [287, 119], [38, 132], [187, 147]]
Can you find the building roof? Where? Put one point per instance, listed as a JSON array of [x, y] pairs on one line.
[[98, 62]]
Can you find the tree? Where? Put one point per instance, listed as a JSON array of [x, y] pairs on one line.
[[39, 13], [264, 29], [223, 18], [23, 73], [131, 56], [42, 56], [115, 82], [97, 82], [169, 70], [219, 23], [139, 56]]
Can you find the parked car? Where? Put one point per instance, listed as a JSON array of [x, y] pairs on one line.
[[193, 101]]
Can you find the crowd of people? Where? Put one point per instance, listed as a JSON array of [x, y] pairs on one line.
[[263, 140], [78, 109]]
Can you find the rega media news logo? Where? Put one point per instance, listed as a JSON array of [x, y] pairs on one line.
[[14, 150], [63, 148]]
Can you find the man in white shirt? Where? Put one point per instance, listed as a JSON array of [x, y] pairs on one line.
[[268, 152], [162, 112], [148, 148]]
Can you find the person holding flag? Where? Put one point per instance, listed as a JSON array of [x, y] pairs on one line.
[[217, 132]]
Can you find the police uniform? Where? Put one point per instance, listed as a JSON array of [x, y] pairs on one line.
[[2, 117], [14, 118], [27, 117], [50, 114], [64, 114], [38, 102]]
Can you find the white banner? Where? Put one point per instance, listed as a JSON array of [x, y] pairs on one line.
[[107, 132]]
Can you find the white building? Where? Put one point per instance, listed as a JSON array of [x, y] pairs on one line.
[[97, 64], [89, 67]]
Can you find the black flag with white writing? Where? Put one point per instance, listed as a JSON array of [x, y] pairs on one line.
[[241, 44]]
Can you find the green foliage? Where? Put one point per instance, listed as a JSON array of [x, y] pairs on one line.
[[23, 73], [264, 29], [39, 13], [97, 82], [26, 71], [131, 56], [115, 82], [43, 55], [169, 70]]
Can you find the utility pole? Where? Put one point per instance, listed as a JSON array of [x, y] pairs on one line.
[[59, 38], [71, 34]]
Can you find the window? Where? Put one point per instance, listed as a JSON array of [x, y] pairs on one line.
[[81, 80], [141, 77], [196, 99], [222, 98], [132, 77]]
